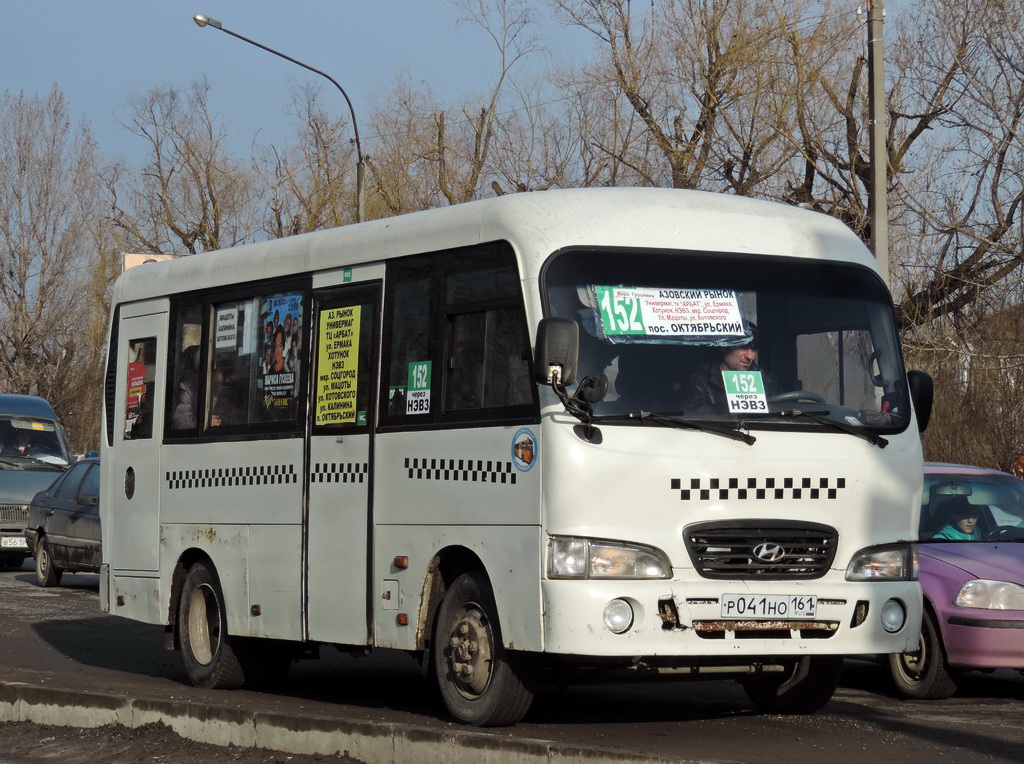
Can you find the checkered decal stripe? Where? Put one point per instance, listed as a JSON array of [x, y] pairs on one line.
[[339, 473], [461, 470], [224, 477], [723, 489]]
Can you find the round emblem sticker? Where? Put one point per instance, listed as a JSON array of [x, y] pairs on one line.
[[524, 449]]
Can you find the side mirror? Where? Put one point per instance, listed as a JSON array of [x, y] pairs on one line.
[[558, 348], [89, 501], [921, 393]]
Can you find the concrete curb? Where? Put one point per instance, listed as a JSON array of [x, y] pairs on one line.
[[370, 742]]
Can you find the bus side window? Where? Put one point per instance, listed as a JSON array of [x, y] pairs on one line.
[[231, 372], [455, 339], [508, 359], [487, 360], [409, 322], [138, 417]]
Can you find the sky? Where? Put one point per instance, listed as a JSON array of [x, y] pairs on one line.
[[102, 53]]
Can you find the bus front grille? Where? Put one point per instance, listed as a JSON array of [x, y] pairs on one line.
[[762, 550]]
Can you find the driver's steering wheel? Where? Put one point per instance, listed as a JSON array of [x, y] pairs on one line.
[[1005, 532], [793, 396]]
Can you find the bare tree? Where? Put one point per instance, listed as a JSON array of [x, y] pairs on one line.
[[964, 73], [427, 155], [49, 209], [463, 149], [979, 376], [706, 80], [311, 185], [191, 195], [403, 178]]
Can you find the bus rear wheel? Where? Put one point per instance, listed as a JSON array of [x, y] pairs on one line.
[[212, 658], [804, 688], [481, 682]]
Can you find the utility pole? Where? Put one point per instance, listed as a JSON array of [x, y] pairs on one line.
[[878, 202]]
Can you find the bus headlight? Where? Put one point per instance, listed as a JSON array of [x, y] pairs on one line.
[[895, 562], [990, 595], [590, 558]]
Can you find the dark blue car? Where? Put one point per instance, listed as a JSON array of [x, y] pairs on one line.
[[63, 530]]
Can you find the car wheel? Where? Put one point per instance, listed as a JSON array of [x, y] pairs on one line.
[[924, 674], [47, 574], [213, 658], [481, 682], [804, 688]]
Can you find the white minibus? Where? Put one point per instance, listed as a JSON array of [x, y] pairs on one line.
[[559, 436]]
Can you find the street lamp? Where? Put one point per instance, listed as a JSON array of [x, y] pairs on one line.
[[204, 21], [878, 200]]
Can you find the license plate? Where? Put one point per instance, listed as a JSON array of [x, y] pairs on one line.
[[13, 541], [769, 606]]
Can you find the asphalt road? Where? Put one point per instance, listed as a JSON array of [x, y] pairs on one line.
[[56, 639]]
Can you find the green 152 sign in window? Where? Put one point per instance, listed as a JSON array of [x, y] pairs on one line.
[[744, 391], [417, 393]]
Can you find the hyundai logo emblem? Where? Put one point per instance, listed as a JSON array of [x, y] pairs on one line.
[[769, 551]]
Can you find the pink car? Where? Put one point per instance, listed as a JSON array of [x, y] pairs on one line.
[[971, 553]]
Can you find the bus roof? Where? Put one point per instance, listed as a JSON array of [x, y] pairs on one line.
[[536, 224]]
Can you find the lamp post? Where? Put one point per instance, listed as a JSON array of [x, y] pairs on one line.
[[878, 204], [203, 21]]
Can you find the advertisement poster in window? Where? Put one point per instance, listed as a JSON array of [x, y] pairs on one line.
[[136, 388], [337, 383], [281, 317]]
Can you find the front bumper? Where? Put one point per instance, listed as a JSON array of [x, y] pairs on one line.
[[684, 619], [976, 638]]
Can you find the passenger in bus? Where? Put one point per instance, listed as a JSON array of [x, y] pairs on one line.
[[225, 408], [143, 426], [184, 414]]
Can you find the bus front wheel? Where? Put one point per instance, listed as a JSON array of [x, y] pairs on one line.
[[481, 682], [806, 687], [924, 674], [212, 658]]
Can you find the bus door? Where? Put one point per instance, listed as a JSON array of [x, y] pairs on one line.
[[344, 381], [132, 501]]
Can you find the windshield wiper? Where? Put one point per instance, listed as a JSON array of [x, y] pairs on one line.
[[835, 424], [29, 463], [672, 420]]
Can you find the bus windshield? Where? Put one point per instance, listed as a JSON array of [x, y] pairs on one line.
[[766, 341]]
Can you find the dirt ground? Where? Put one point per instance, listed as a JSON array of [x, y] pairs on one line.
[[25, 743]]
